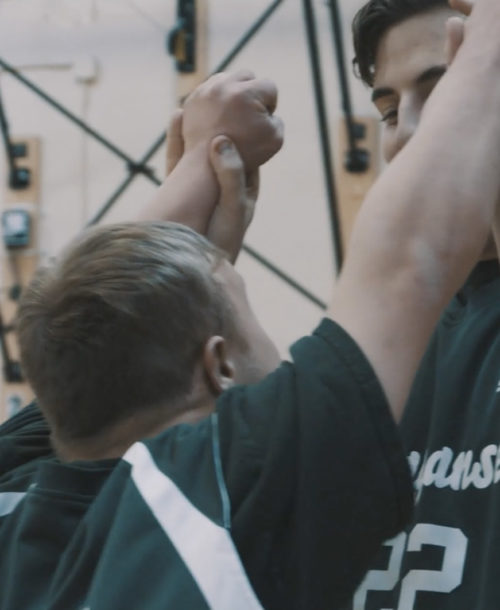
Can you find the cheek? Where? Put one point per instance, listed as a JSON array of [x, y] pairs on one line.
[[263, 355], [389, 146], [264, 352], [271, 358]]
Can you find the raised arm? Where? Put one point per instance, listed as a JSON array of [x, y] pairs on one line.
[[424, 223]]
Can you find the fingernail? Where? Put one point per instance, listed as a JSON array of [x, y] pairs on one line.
[[224, 147]]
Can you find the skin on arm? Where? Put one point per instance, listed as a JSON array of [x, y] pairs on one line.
[[175, 141], [422, 226], [455, 38]]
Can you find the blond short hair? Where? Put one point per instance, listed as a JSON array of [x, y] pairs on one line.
[[118, 322]]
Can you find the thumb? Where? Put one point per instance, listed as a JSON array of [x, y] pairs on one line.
[[228, 223], [229, 171]]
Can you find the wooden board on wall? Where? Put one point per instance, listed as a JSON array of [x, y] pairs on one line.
[[18, 266], [353, 187], [188, 81]]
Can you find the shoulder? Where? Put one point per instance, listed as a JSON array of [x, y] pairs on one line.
[[24, 440]]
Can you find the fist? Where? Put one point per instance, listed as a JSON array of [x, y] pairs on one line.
[[239, 106]]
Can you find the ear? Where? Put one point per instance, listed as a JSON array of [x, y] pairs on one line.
[[219, 369]]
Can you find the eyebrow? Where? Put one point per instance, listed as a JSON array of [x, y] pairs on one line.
[[427, 75]]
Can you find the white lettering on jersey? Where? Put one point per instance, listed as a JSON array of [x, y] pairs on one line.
[[443, 468]]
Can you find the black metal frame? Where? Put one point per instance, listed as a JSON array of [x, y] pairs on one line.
[[135, 168], [314, 57], [356, 159], [19, 177]]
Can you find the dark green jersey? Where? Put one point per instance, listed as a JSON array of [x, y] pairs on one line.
[[24, 441], [449, 557], [278, 500]]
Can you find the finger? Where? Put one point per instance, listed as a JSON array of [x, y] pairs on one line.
[[209, 83], [279, 131], [242, 75], [229, 220], [463, 6], [214, 84], [220, 78], [265, 91], [455, 31], [175, 141]]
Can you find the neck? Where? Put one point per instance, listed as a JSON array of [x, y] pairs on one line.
[[113, 442]]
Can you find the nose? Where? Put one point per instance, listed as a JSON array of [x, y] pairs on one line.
[[408, 120]]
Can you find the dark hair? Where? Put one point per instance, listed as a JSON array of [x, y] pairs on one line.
[[117, 323], [372, 22]]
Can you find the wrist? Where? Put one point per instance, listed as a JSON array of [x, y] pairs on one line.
[[193, 189]]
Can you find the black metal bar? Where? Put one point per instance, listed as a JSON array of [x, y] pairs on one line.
[[356, 159], [285, 277], [155, 147], [73, 118], [245, 39], [128, 181], [312, 40], [6, 138], [111, 200], [345, 94]]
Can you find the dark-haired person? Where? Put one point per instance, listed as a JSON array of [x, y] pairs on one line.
[[447, 557], [300, 471]]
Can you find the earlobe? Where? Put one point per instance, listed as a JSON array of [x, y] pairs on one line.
[[219, 369]]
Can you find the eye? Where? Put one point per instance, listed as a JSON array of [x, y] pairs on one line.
[[390, 117]]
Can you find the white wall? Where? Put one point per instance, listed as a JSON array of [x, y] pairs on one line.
[[129, 103]]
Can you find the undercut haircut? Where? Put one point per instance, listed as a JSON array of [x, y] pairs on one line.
[[117, 324], [373, 20]]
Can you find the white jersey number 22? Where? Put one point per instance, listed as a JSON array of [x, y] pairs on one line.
[[439, 581]]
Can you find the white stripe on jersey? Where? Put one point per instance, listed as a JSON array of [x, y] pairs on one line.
[[9, 500], [206, 548]]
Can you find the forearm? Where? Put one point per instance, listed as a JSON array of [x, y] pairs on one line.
[[188, 195], [425, 222], [435, 204]]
